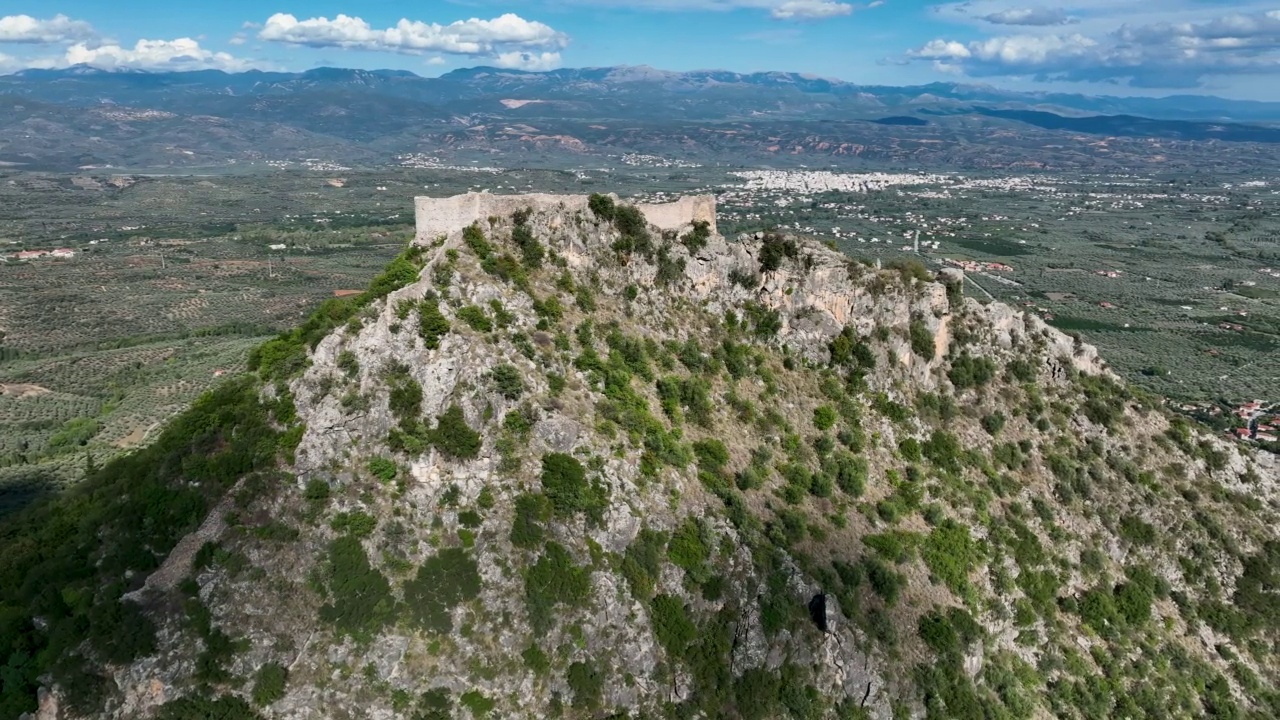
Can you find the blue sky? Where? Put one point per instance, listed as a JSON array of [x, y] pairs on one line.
[[1228, 48]]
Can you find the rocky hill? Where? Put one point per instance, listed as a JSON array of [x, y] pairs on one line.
[[582, 459]]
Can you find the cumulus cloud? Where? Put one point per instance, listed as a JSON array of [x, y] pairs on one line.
[[810, 10], [179, 54], [516, 60], [508, 38], [1156, 55], [1037, 16], [57, 29]]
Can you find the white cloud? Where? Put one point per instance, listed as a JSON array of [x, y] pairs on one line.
[[942, 50], [1151, 55], [811, 10], [57, 29], [777, 9], [517, 60], [179, 54], [506, 36], [1038, 16]]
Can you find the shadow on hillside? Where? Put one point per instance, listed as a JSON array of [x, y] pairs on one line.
[[20, 490]]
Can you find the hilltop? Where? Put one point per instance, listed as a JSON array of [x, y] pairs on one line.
[[573, 457]]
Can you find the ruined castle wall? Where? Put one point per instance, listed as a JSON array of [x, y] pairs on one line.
[[682, 212], [445, 216]]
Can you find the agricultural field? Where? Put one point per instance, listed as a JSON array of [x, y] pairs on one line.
[[174, 278]]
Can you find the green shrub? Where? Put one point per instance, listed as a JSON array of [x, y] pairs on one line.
[[445, 580], [535, 659], [602, 206], [696, 239], [1136, 531], [824, 417], [909, 449], [531, 251], [269, 683], [587, 683], [360, 600], [317, 491], [564, 482], [850, 473], [382, 468], [508, 269], [453, 437], [642, 563], [765, 322], [508, 381], [943, 450], [894, 546], [712, 455], [672, 626], [532, 511], [475, 317], [432, 324], [993, 423], [476, 701], [1022, 370], [922, 342], [688, 549], [549, 308], [554, 580], [893, 411], [774, 250], [968, 371], [951, 554], [670, 270], [357, 524], [474, 237], [883, 580]]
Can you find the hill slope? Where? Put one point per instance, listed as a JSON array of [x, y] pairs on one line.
[[564, 464]]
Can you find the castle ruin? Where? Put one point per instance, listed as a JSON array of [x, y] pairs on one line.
[[438, 217]]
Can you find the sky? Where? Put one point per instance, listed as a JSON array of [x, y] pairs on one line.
[[1114, 47]]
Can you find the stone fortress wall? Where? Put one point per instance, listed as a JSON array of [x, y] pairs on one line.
[[446, 216]]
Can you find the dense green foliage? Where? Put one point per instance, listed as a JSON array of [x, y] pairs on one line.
[[360, 600], [269, 683], [454, 437], [551, 581], [69, 561], [446, 579]]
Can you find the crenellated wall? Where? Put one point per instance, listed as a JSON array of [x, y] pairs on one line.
[[446, 216]]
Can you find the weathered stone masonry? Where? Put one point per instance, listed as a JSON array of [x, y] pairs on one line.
[[446, 216]]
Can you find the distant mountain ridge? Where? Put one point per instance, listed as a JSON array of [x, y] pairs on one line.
[[353, 116], [487, 79]]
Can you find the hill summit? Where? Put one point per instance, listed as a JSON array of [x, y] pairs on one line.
[[572, 457]]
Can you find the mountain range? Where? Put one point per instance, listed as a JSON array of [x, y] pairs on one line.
[[83, 116]]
